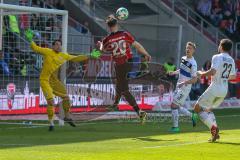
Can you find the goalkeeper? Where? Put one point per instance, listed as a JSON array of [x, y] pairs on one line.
[[49, 82]]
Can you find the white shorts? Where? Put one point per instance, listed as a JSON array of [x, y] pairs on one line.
[[180, 95], [209, 99]]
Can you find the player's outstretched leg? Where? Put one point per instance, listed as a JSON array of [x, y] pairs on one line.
[[142, 116], [186, 112], [117, 98], [50, 112], [208, 118], [175, 116], [214, 128], [66, 107], [131, 100]]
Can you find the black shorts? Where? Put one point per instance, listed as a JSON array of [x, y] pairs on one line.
[[121, 76]]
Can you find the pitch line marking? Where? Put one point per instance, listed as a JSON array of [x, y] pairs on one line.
[[15, 144]]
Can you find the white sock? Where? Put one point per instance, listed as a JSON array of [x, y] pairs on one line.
[[51, 122], [212, 116], [206, 119], [175, 117], [185, 111]]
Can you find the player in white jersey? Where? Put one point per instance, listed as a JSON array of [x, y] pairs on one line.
[[187, 76], [222, 69]]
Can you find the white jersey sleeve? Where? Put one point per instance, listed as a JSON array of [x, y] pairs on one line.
[[233, 70], [215, 62]]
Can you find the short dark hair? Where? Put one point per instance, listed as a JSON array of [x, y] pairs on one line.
[[226, 45], [192, 44], [111, 20], [56, 40]]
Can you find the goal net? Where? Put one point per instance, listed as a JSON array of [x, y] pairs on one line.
[[20, 92]]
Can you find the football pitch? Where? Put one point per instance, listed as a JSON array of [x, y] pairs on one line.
[[107, 140]]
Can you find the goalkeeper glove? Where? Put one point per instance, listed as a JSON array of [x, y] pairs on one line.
[[29, 35], [95, 54]]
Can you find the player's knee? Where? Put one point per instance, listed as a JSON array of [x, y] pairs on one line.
[[66, 104], [197, 108], [66, 98], [126, 93], [50, 102], [208, 110], [174, 106]]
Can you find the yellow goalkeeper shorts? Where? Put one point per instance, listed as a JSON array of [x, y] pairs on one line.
[[53, 87]]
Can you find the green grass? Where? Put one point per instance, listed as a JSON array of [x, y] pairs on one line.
[[122, 141]]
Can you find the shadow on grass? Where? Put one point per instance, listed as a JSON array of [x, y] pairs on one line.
[[100, 131]]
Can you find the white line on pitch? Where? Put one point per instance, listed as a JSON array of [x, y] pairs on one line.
[[23, 127], [175, 145], [237, 115], [15, 144], [26, 126], [21, 123]]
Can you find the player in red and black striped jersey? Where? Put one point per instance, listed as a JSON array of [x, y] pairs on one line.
[[118, 44]]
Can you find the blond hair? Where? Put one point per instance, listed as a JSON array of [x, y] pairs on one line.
[[191, 44]]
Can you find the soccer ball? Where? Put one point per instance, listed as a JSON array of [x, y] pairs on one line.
[[122, 13]]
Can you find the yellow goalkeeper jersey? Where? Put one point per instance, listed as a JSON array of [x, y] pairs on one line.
[[53, 60]]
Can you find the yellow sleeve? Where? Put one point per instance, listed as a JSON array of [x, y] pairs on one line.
[[77, 58], [40, 50]]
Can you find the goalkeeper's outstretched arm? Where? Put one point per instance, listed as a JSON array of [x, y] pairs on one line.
[[94, 54], [78, 58], [29, 36], [37, 49]]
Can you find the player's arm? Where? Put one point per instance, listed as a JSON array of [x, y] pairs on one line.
[[232, 77], [174, 72], [191, 81], [100, 46], [78, 58], [36, 48], [95, 54], [210, 72], [141, 50]]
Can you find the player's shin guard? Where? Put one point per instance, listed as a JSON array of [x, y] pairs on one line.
[[175, 117], [131, 100], [206, 119], [50, 112], [213, 118], [66, 106]]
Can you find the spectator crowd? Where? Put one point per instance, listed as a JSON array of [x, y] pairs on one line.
[[14, 60], [224, 14]]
